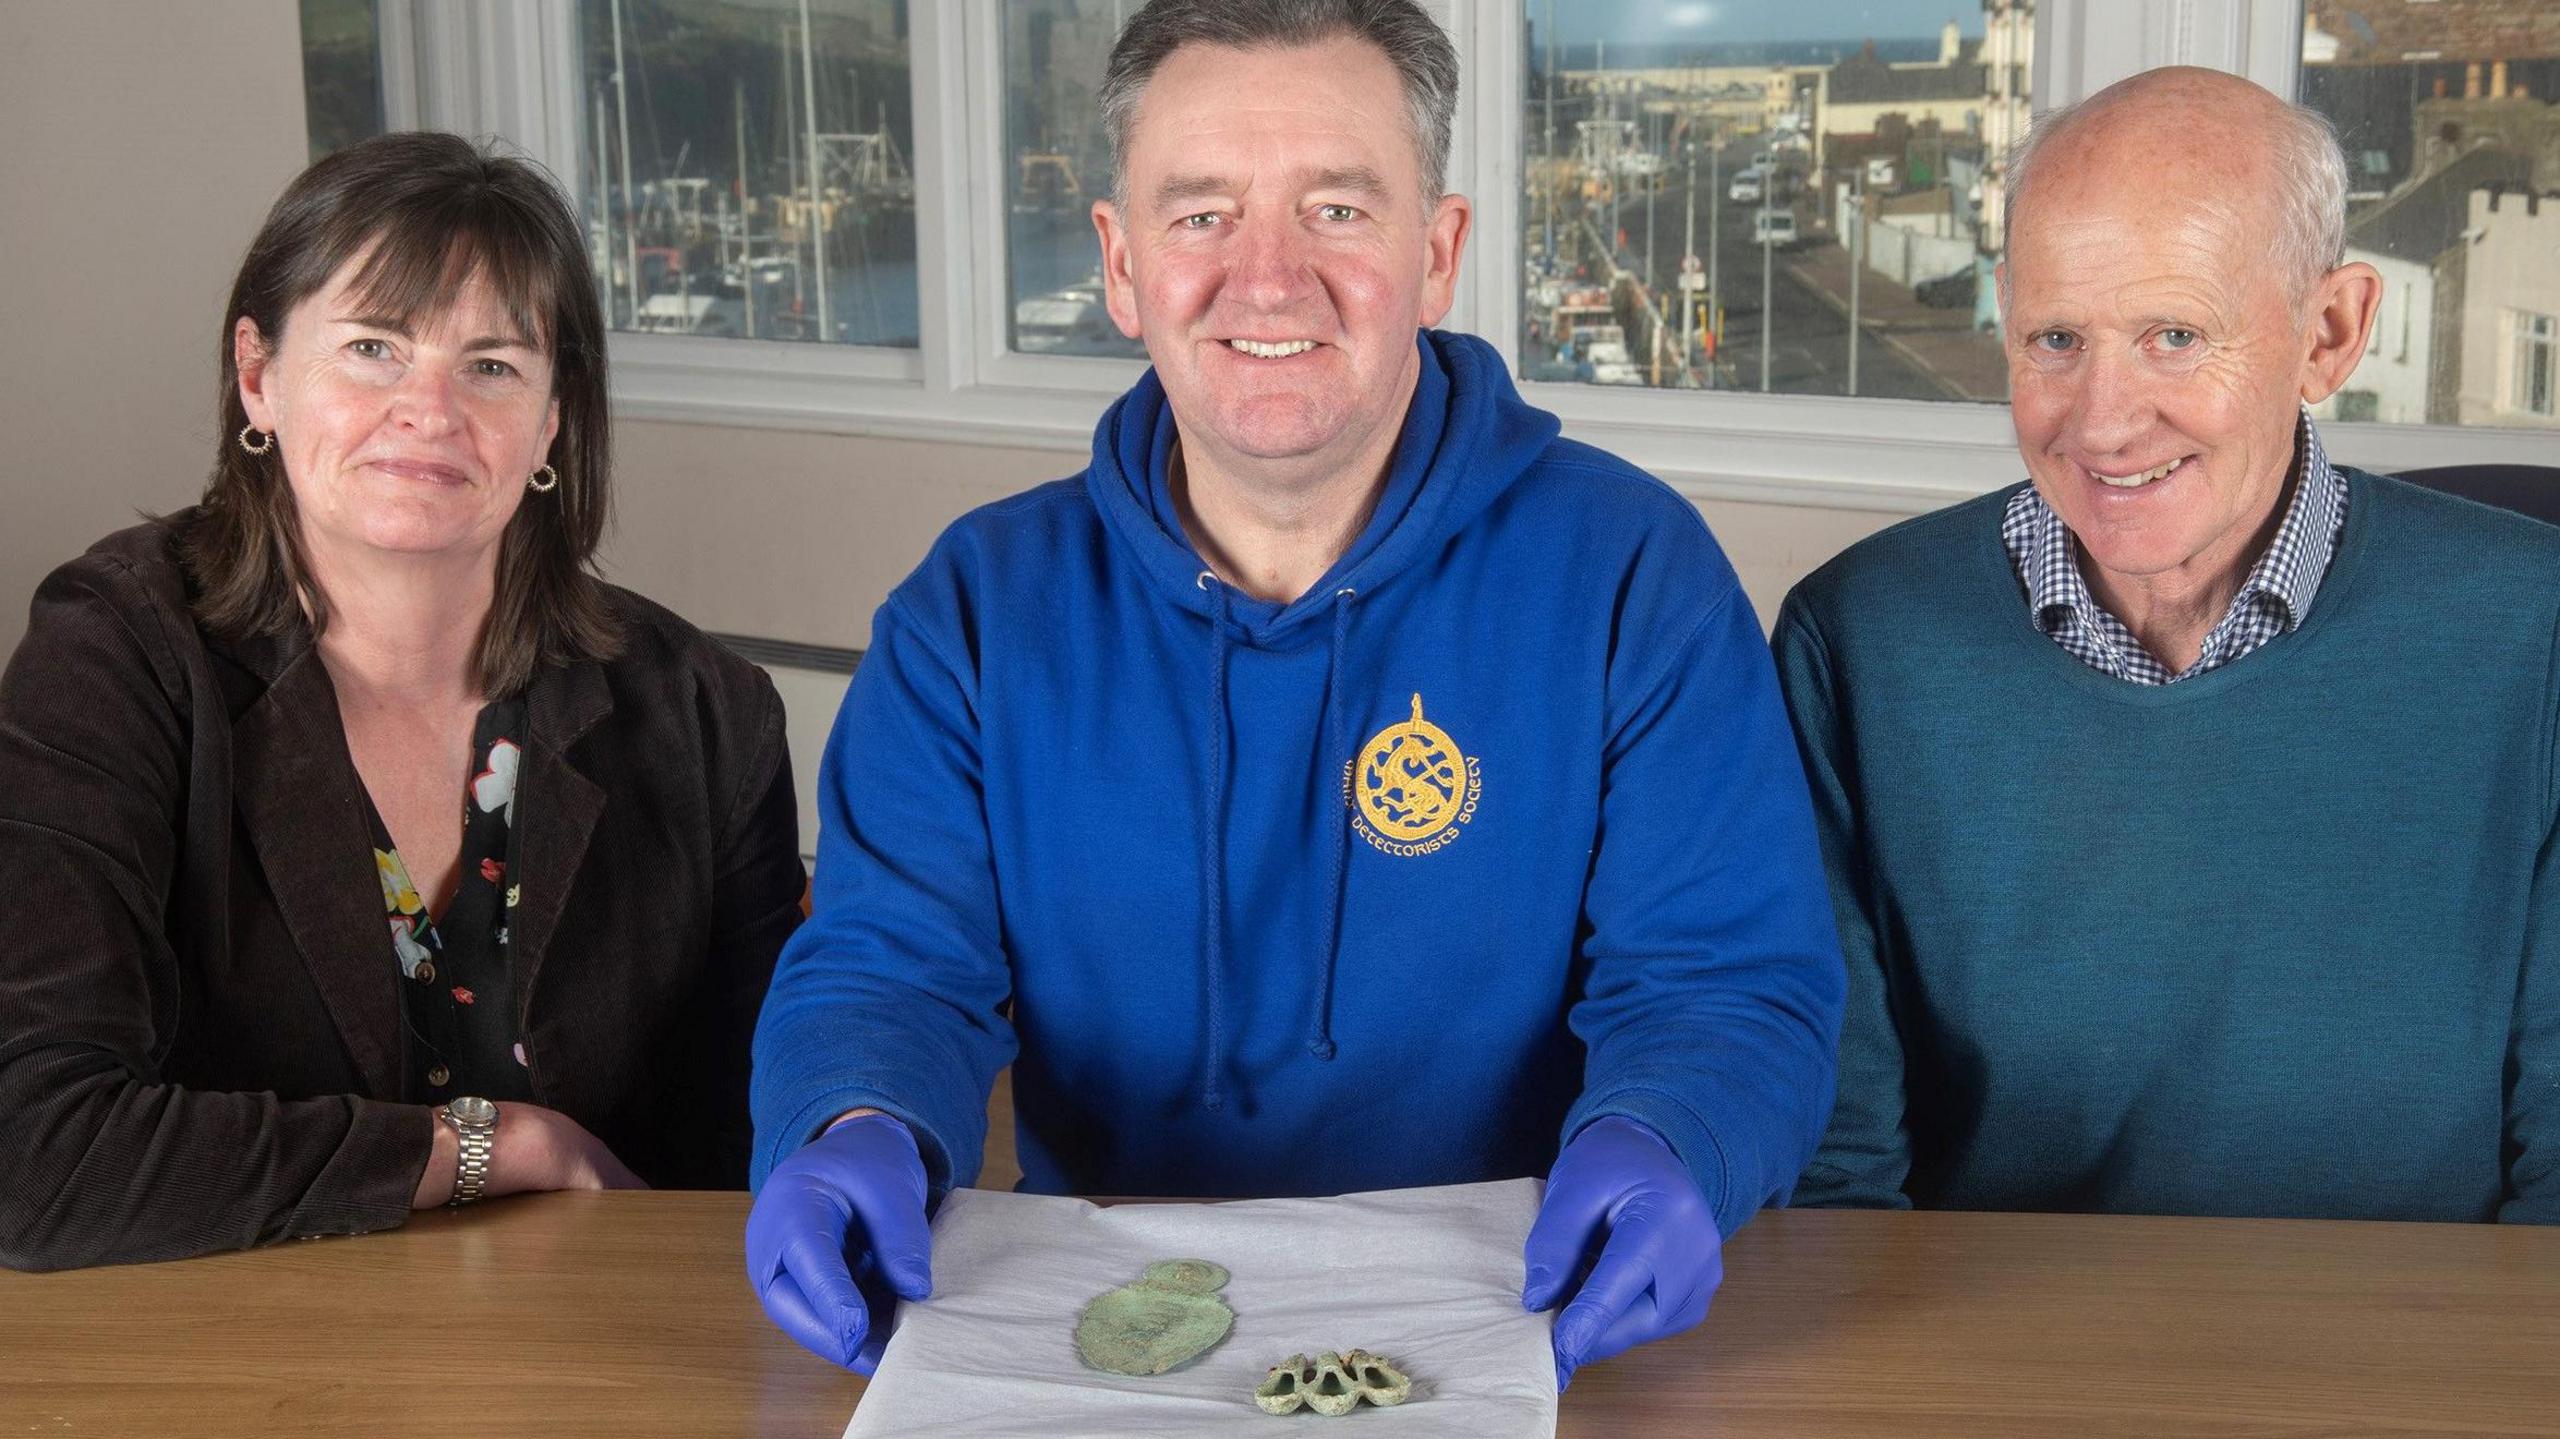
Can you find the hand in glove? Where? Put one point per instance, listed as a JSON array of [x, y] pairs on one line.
[[838, 1235], [1618, 1192]]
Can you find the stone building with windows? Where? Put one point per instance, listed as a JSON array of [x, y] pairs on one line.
[[2411, 372], [2511, 310], [2008, 58], [1858, 93]]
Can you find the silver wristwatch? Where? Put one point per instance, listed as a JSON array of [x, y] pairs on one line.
[[475, 1123]]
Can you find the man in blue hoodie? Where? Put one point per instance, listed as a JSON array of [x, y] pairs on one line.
[[1344, 784]]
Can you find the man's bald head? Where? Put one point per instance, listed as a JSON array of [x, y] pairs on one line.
[[2174, 294], [2186, 135]]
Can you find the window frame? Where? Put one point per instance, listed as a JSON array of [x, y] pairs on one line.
[[511, 68], [2533, 339]]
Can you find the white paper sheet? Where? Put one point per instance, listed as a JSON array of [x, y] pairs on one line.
[[1429, 1278]]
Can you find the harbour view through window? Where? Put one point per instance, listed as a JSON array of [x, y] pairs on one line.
[[1721, 196], [749, 168], [2449, 111], [1056, 164]]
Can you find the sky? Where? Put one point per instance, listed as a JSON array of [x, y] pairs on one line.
[[1719, 22]]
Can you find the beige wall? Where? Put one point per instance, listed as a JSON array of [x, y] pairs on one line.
[[793, 536], [798, 537], [143, 144], [1773, 546]]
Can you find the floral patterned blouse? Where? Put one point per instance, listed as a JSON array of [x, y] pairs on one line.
[[458, 999]]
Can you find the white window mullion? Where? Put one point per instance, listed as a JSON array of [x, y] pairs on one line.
[[537, 86], [487, 68], [396, 41], [2083, 46], [442, 42], [1467, 141], [2271, 44], [1062, 394], [941, 39], [1485, 165], [1050, 391], [2259, 39]]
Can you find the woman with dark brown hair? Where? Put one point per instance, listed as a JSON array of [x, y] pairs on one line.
[[365, 851]]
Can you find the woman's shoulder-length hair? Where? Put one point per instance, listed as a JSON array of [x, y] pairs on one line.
[[425, 212]]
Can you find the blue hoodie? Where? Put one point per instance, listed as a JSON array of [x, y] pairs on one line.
[[1496, 830]]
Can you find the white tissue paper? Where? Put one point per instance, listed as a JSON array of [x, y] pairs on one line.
[[1428, 1278]]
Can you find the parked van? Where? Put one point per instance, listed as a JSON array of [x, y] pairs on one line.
[[1774, 227]]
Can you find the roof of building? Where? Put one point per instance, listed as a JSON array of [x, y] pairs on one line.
[[2389, 32], [1862, 79], [2424, 217], [2537, 207]]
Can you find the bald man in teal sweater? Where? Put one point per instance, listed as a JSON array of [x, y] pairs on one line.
[[2192, 811]]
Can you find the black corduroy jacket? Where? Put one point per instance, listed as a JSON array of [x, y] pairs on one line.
[[200, 1029]]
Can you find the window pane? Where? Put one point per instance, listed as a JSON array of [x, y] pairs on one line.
[[1719, 196], [720, 201], [1056, 166], [341, 73], [2537, 358], [2453, 147]]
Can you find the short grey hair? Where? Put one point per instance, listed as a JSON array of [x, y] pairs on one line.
[[2310, 196], [1414, 43]]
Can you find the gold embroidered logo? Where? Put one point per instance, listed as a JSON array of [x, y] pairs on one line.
[[1410, 788]]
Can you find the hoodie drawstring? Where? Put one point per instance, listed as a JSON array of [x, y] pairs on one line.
[[1213, 852], [1320, 1023]]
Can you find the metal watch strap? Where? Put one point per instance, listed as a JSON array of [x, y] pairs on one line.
[[477, 1140]]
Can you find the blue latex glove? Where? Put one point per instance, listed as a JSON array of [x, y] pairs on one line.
[[838, 1236], [1617, 1192]]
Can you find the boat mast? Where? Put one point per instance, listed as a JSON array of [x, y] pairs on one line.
[[630, 229], [604, 208], [817, 212], [746, 215], [790, 170]]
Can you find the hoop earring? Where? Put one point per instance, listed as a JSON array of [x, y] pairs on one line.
[[539, 485], [266, 440]]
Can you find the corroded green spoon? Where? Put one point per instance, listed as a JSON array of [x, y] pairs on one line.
[[1170, 1317]]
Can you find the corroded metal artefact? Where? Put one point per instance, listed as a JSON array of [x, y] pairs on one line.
[[1331, 1384], [1170, 1317], [1380, 1382]]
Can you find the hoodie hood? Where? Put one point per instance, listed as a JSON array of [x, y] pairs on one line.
[[1467, 437]]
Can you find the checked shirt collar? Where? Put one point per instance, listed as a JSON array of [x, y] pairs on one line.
[[2272, 601]]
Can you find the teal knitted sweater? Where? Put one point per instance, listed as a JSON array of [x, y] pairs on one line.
[[2282, 939]]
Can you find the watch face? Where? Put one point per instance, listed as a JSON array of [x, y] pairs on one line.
[[471, 1109]]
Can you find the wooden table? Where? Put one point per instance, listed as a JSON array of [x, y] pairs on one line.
[[622, 1315]]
